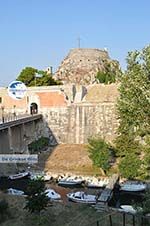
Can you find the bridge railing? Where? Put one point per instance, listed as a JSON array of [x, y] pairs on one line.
[[12, 117]]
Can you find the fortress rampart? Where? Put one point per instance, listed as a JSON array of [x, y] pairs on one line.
[[73, 112]]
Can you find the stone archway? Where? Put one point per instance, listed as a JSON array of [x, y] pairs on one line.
[[33, 108]]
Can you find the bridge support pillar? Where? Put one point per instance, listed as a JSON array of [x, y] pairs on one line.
[[10, 138]]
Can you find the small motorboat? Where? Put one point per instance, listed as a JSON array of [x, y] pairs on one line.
[[70, 181], [130, 209], [19, 176], [81, 197], [96, 183], [52, 195], [133, 186], [12, 191]]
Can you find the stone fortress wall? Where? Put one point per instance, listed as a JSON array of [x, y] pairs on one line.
[[72, 112], [79, 108]]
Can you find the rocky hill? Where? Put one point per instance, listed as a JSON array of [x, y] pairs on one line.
[[81, 66]]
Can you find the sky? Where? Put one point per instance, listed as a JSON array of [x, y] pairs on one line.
[[40, 33]]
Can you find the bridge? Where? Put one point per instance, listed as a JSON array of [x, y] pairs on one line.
[[17, 134], [10, 122], [9, 117]]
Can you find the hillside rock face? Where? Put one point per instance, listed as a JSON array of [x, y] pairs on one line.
[[82, 65]]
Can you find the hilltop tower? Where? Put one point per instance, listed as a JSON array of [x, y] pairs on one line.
[[81, 66]]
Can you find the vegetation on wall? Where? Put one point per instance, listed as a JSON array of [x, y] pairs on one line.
[[33, 77], [110, 74], [38, 145], [133, 107]]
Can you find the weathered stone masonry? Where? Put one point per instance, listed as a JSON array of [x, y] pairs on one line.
[[76, 123]]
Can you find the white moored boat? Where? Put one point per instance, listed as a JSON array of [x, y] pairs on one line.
[[82, 197], [70, 181], [52, 195], [12, 191], [19, 176], [130, 209], [133, 186], [97, 183]]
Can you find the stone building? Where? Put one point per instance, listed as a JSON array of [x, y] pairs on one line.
[[81, 66]]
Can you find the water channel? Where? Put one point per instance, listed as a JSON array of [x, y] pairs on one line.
[[119, 197]]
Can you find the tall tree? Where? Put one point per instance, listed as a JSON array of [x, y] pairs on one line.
[[129, 166], [134, 104]]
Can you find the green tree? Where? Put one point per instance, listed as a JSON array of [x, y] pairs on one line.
[[27, 75], [134, 102], [146, 202], [37, 199], [130, 166], [33, 77], [146, 161], [133, 110], [46, 79], [100, 153], [127, 144]]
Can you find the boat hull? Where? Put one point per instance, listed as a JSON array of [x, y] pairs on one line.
[[132, 190], [81, 198], [19, 176], [70, 183], [133, 186]]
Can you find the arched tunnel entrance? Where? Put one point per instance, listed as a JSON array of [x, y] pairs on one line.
[[33, 108]]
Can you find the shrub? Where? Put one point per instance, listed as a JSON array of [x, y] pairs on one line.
[[100, 152], [37, 199], [38, 145]]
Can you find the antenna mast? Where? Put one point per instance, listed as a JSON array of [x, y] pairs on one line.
[[79, 42]]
